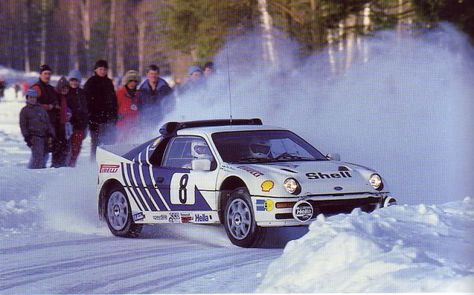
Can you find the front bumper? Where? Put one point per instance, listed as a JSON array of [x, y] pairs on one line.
[[275, 212]]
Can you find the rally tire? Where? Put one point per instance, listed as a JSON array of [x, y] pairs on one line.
[[118, 215], [239, 220]]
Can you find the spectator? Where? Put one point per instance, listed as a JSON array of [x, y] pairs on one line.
[[208, 69], [63, 128], [36, 128], [48, 99], [17, 88], [195, 74], [2, 88], [128, 101], [153, 91], [76, 101], [194, 78], [102, 106]]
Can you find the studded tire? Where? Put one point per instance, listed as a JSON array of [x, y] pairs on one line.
[[118, 215], [239, 220]]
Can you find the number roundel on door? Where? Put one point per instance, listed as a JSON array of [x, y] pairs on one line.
[[182, 189]]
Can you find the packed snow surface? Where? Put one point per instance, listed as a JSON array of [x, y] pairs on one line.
[[409, 248]]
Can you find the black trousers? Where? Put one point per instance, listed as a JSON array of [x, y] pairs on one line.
[[61, 148]]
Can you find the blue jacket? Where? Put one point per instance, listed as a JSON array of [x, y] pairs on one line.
[[149, 97]]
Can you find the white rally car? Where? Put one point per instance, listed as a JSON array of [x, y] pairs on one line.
[[239, 173]]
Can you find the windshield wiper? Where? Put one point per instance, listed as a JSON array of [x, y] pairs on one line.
[[288, 156], [253, 159]]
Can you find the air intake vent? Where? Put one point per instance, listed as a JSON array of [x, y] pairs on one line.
[[343, 168]]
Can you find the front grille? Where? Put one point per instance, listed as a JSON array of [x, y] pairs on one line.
[[333, 207]]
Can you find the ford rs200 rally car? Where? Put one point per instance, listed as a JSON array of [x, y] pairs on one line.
[[239, 173]]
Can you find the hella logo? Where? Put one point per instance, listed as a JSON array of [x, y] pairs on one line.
[[338, 188]]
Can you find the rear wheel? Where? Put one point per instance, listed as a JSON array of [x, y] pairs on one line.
[[239, 220], [119, 216]]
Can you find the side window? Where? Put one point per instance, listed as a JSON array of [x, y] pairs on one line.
[[183, 150]]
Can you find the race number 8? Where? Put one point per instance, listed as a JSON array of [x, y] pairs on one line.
[[183, 192]]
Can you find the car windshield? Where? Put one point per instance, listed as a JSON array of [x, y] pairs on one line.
[[264, 146]]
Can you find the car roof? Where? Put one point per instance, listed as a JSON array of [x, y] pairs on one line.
[[227, 128]]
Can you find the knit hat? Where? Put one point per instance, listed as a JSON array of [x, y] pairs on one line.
[[44, 68], [131, 76], [31, 93], [62, 83], [75, 74], [101, 64], [194, 68]]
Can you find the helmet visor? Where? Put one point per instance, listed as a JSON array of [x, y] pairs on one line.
[[260, 148]]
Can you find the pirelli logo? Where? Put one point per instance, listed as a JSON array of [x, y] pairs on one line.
[[108, 168]]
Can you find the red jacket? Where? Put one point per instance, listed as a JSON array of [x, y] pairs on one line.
[[127, 108]]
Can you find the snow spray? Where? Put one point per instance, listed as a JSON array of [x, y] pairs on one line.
[[69, 202], [403, 105]]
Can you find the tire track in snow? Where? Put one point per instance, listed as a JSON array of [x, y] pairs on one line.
[[68, 266]]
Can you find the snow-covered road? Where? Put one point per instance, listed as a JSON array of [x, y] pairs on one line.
[[57, 262]]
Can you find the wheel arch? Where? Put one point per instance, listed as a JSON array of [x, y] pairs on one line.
[[228, 185], [106, 187]]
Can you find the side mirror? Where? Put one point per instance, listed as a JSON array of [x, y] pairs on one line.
[[201, 165], [333, 156]]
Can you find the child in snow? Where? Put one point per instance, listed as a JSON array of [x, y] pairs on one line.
[[36, 129]]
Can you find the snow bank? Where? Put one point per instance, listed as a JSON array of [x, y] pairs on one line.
[[415, 248], [17, 215]]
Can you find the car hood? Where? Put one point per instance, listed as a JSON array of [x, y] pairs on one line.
[[315, 177]]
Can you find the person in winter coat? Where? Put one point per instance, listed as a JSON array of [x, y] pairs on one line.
[[208, 69], [2, 88], [48, 99], [195, 79], [102, 106], [36, 128], [77, 102], [63, 127], [153, 92], [128, 99], [47, 96]]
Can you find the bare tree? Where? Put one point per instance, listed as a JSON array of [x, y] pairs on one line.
[[86, 26]]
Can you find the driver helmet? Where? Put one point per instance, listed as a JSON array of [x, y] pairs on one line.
[[200, 150], [260, 149]]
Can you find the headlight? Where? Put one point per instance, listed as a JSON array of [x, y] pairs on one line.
[[376, 181], [292, 186]]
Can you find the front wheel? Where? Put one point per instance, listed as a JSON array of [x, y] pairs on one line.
[[239, 220], [119, 217]]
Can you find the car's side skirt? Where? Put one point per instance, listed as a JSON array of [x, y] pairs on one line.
[[202, 217]]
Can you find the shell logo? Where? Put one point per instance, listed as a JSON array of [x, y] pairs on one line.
[[267, 186]]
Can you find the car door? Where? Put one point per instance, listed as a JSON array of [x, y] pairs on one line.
[[179, 187]]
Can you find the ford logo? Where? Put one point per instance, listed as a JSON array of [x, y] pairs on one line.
[[338, 188]]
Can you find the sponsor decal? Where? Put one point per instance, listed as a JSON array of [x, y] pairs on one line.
[[251, 171], [109, 168], [267, 186], [186, 217], [138, 216], [265, 205], [202, 218], [162, 217], [320, 175], [302, 211], [174, 218]]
